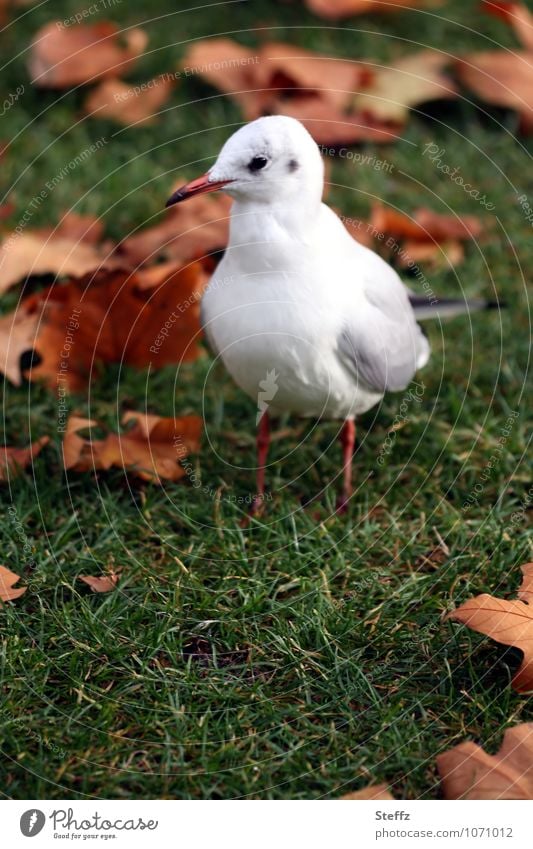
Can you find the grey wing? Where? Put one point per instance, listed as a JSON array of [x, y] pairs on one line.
[[381, 343]]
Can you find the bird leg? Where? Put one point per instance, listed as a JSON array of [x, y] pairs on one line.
[[263, 443], [348, 443]]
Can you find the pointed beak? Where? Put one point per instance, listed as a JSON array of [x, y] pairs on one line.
[[200, 186]]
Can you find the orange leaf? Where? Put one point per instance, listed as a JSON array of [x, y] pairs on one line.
[[507, 622], [7, 591], [335, 9], [63, 57], [101, 583], [425, 225], [502, 79], [151, 449], [12, 460], [129, 104], [516, 15], [17, 335], [468, 772], [373, 791]]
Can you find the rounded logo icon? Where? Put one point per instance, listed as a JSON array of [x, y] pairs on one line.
[[32, 822]]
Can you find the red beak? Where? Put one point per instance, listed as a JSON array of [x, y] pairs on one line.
[[200, 186]]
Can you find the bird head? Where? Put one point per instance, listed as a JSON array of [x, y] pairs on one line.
[[269, 160]]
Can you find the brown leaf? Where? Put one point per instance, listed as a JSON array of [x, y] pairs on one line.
[[433, 254], [226, 65], [64, 57], [373, 791], [101, 583], [111, 317], [468, 772], [77, 228], [7, 579], [329, 126], [35, 253], [425, 225], [411, 81], [186, 231], [151, 449], [502, 79], [17, 335], [129, 104], [335, 9], [516, 15], [507, 622], [13, 460]]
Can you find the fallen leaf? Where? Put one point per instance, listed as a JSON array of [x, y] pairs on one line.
[[151, 449], [373, 791], [7, 579], [516, 15], [17, 335], [402, 86], [433, 254], [129, 104], [114, 317], [425, 225], [101, 583], [186, 231], [13, 460], [503, 79], [227, 66], [36, 253], [508, 622], [77, 228], [335, 9], [329, 126], [64, 57], [468, 772]]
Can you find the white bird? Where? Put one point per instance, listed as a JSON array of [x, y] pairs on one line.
[[305, 319]]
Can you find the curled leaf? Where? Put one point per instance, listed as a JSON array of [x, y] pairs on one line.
[[8, 592]]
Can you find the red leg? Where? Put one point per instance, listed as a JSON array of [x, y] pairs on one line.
[[348, 444], [263, 444]]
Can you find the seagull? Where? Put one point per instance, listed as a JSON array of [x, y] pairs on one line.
[[305, 319]]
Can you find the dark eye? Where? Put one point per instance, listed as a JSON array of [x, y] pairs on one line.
[[257, 163]]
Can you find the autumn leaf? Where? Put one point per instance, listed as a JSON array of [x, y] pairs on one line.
[[372, 791], [116, 317], [17, 335], [335, 9], [468, 772], [64, 57], [501, 78], [507, 622], [13, 460], [129, 104], [399, 87], [37, 253], [8, 592], [102, 583], [516, 15], [329, 126], [186, 231], [151, 449]]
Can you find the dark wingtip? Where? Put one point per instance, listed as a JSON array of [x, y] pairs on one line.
[[496, 305]]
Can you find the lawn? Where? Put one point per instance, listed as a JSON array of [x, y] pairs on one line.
[[306, 655]]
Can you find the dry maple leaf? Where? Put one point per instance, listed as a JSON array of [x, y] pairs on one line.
[[151, 449], [129, 104], [425, 225], [335, 9], [283, 79], [186, 231], [17, 335], [101, 583], [35, 253], [13, 460], [516, 15], [468, 772], [411, 81], [501, 78], [115, 317], [63, 57], [373, 791], [507, 622], [7, 579]]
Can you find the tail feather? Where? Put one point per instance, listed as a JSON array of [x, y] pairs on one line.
[[450, 307]]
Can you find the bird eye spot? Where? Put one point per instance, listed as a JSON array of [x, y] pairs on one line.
[[257, 163], [293, 165]]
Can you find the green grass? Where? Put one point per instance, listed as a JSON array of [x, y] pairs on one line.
[[307, 655]]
